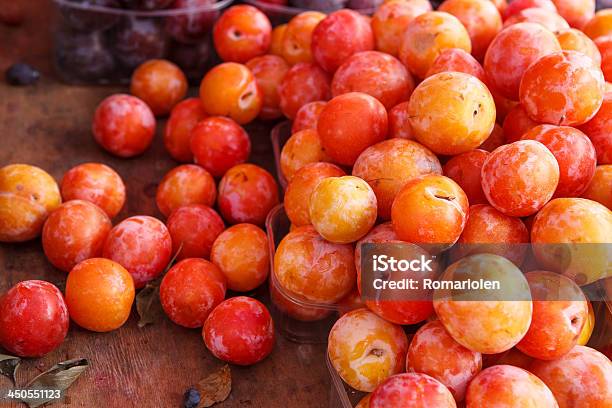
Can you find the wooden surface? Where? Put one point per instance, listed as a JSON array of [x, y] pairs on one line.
[[48, 125]]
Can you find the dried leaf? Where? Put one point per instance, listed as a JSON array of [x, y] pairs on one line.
[[215, 388], [148, 305], [9, 366], [59, 377]]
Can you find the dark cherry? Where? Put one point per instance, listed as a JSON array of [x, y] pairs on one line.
[[191, 26], [136, 40], [83, 55]]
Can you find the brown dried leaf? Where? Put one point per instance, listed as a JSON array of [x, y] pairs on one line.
[[148, 305], [59, 377], [9, 366], [215, 388]]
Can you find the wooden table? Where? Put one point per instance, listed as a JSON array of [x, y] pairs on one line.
[[48, 125]]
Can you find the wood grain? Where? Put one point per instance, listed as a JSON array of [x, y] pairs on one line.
[[48, 125]]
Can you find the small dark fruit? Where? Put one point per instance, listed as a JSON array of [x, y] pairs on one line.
[[21, 74], [191, 398]]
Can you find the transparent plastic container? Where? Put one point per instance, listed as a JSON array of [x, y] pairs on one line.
[[305, 331], [103, 45], [279, 135], [341, 395], [296, 319]]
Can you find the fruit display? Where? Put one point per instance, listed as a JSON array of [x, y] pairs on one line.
[[473, 142]]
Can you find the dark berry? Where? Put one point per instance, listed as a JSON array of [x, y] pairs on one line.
[[87, 20], [191, 398], [136, 40], [21, 74], [81, 55]]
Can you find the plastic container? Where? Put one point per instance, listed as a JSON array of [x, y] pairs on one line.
[[103, 45], [315, 331], [279, 135], [316, 319], [341, 395]]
